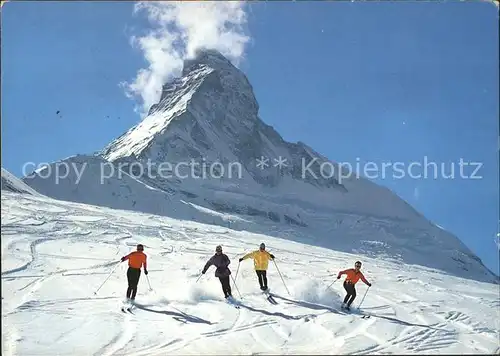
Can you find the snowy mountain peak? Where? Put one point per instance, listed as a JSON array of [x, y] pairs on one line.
[[210, 58], [223, 74], [211, 95], [210, 114], [209, 117]]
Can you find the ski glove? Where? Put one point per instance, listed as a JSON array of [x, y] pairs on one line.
[[272, 256], [241, 259], [369, 284], [146, 272], [123, 259]]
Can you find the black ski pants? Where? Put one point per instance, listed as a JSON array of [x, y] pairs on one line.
[[351, 293], [262, 275], [226, 286], [133, 275]]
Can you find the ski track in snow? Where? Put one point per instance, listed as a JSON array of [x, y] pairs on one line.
[[123, 337], [55, 255]]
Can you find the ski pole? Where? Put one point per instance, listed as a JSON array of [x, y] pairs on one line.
[[281, 277], [109, 275], [236, 287], [331, 284], [150, 288], [363, 297], [201, 274], [236, 275]]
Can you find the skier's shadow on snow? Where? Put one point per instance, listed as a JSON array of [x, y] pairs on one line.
[[332, 309], [179, 316], [405, 323], [278, 314]]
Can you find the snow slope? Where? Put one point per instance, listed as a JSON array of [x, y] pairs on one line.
[[118, 190], [56, 254], [408, 241]]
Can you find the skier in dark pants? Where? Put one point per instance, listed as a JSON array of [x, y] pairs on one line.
[[136, 260], [261, 260], [353, 276], [220, 261]]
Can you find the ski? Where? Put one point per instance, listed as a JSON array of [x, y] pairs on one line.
[[363, 314], [356, 312], [270, 298], [127, 309], [233, 303]]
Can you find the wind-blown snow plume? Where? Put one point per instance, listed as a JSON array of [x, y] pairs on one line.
[[179, 30]]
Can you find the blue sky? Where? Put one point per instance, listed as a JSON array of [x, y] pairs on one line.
[[376, 82]]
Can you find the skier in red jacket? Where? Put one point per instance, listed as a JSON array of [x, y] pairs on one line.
[[353, 276], [136, 260]]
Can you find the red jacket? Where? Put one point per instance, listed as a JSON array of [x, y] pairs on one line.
[[353, 276], [137, 259]]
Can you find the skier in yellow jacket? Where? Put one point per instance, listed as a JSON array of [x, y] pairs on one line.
[[260, 260]]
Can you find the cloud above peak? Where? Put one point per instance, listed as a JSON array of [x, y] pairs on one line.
[[179, 30]]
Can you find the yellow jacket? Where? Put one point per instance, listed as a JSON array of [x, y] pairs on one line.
[[260, 259]]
